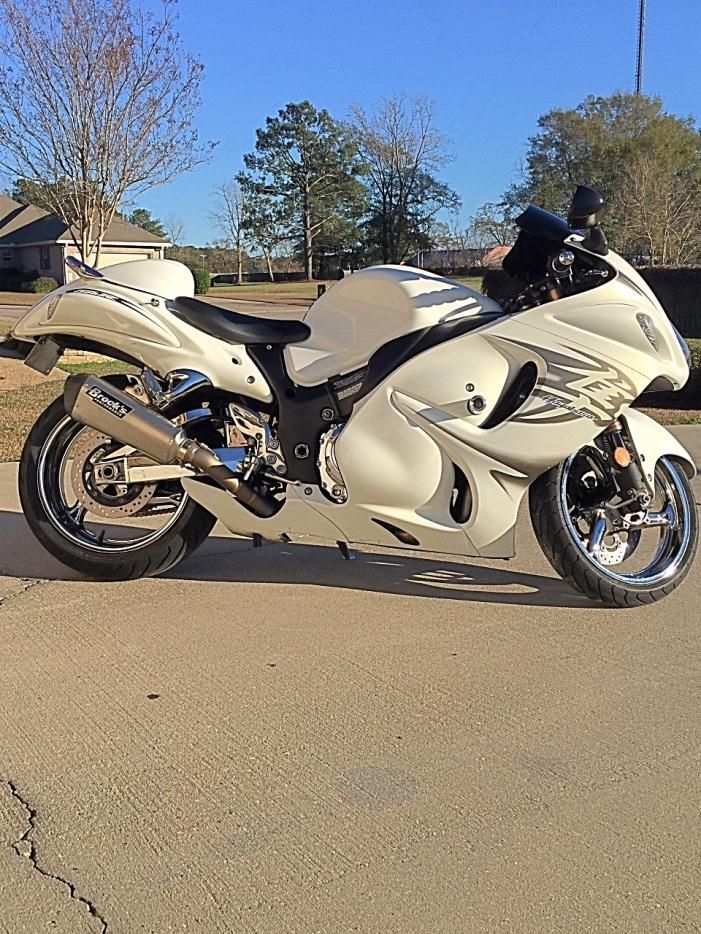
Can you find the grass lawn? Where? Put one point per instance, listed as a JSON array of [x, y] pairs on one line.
[[674, 416], [98, 368], [292, 291], [302, 292], [20, 408], [269, 291]]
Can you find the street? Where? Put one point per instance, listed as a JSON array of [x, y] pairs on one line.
[[277, 740]]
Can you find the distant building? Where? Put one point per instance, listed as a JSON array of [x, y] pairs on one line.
[[446, 259], [32, 240], [494, 258]]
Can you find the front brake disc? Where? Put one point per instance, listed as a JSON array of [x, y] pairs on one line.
[[614, 550]]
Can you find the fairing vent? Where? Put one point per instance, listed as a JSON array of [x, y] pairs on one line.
[[513, 396], [406, 538], [461, 500]]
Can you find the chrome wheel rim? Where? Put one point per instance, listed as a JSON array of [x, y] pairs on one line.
[[674, 537], [70, 518]]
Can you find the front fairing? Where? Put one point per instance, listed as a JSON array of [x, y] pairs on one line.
[[622, 308], [615, 311]]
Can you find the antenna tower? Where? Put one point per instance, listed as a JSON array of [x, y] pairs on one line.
[[641, 48]]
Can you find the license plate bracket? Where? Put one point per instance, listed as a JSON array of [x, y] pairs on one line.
[[44, 355]]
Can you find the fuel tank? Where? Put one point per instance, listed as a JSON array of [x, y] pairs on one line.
[[360, 313]]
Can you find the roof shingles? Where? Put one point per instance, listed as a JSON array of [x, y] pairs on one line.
[[24, 224]]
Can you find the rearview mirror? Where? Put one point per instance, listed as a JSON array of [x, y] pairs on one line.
[[82, 269], [587, 209]]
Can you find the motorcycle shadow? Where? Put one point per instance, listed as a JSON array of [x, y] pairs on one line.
[[224, 559], [390, 572]]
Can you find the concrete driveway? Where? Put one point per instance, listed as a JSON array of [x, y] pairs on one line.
[[276, 740]]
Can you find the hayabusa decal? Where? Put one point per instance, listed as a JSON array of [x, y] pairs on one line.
[[577, 386]]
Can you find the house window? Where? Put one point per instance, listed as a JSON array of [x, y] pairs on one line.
[[44, 257], [7, 256]]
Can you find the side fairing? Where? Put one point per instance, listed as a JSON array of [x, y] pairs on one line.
[[399, 447]]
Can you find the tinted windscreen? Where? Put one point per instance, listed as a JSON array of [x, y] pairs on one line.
[[526, 261], [543, 224]]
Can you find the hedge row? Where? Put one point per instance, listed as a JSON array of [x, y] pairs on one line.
[[678, 291], [40, 286], [203, 281]]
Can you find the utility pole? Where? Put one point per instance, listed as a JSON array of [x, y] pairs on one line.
[[641, 48]]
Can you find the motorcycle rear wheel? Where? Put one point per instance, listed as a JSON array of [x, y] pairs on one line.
[[595, 558], [99, 550]]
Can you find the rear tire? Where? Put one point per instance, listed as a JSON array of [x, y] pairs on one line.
[[188, 531], [569, 557]]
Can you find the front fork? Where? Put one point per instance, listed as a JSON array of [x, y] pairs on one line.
[[624, 468]]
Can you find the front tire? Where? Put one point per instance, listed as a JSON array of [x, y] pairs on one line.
[[600, 573], [96, 555]]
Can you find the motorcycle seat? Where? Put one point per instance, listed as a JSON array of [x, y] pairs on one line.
[[237, 328]]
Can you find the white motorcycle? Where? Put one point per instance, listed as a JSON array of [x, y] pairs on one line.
[[406, 410]]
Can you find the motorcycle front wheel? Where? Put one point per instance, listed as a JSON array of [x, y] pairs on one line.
[[616, 558], [107, 532]]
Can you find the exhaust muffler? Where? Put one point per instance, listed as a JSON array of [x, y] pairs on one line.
[[99, 405]]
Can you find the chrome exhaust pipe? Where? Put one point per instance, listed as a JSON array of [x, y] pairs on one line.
[[99, 405]]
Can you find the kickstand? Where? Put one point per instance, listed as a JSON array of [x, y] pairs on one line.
[[346, 552], [257, 540]]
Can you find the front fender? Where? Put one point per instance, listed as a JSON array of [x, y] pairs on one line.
[[652, 441]]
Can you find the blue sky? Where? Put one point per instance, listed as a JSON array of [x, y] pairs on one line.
[[491, 67]]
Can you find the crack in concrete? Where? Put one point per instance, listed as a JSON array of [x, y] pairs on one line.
[[28, 583], [26, 848]]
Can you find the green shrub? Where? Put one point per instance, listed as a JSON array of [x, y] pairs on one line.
[[203, 281], [695, 348], [40, 285]]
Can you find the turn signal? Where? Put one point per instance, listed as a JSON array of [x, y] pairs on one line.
[[622, 457]]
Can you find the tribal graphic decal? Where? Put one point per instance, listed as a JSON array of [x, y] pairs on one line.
[[576, 387]]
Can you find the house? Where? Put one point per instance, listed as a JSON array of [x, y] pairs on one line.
[[493, 258], [33, 241]]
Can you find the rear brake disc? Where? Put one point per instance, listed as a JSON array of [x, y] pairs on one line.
[[109, 500]]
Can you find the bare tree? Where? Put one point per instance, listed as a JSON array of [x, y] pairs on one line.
[[456, 235], [493, 225], [402, 150], [175, 230], [660, 214], [230, 216], [97, 100], [460, 234], [267, 220]]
